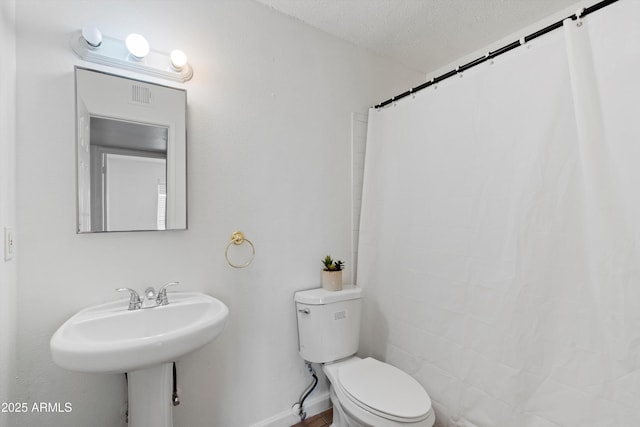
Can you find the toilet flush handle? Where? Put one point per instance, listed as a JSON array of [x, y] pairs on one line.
[[304, 310]]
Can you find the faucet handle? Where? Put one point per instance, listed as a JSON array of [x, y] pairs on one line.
[[162, 299], [134, 300]]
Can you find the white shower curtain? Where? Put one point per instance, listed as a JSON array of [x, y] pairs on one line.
[[499, 233]]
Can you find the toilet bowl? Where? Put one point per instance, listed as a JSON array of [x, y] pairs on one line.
[[364, 392]]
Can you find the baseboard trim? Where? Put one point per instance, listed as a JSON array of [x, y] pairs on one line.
[[312, 406]]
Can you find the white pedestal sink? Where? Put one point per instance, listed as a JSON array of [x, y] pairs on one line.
[[110, 338]]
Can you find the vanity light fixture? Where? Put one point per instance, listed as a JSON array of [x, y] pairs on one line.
[[133, 54], [178, 59], [137, 46], [92, 36]]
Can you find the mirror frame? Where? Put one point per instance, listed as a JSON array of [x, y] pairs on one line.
[[110, 96]]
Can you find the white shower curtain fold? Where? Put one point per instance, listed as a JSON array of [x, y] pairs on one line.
[[499, 233]]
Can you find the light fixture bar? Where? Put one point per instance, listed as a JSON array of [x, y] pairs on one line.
[[114, 53]]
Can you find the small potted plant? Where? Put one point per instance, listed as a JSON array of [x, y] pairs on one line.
[[332, 274]]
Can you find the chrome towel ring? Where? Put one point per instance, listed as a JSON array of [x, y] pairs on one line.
[[237, 238]]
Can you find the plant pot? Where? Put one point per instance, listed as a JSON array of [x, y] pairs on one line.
[[332, 280]]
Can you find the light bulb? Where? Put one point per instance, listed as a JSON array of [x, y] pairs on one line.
[[92, 36], [178, 60], [137, 45]]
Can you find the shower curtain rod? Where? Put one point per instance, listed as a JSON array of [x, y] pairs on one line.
[[578, 15]]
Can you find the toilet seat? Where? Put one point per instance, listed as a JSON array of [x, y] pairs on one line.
[[360, 405], [384, 390]]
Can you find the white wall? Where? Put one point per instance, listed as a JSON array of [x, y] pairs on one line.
[[269, 154], [7, 199]]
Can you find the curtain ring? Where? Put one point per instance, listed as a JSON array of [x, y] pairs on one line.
[[579, 17], [237, 238]]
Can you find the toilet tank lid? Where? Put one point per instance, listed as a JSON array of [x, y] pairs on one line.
[[319, 296]]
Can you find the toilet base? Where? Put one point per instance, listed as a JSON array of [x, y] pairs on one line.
[[340, 418]]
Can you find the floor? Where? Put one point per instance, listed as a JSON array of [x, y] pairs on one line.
[[323, 419]]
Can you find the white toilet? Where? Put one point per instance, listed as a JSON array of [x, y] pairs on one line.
[[364, 392]]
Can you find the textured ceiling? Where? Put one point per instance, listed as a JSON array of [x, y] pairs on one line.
[[424, 35]]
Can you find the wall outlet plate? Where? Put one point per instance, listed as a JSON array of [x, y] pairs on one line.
[[9, 243]]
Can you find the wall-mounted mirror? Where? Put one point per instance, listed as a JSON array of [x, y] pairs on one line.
[[131, 154]]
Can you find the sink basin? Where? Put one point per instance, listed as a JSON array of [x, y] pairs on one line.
[[109, 338]]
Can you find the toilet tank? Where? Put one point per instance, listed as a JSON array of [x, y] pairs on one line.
[[328, 323]]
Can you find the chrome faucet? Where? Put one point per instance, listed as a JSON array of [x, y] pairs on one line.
[[134, 301]]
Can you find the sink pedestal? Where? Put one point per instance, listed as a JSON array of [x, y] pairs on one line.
[[150, 392]]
